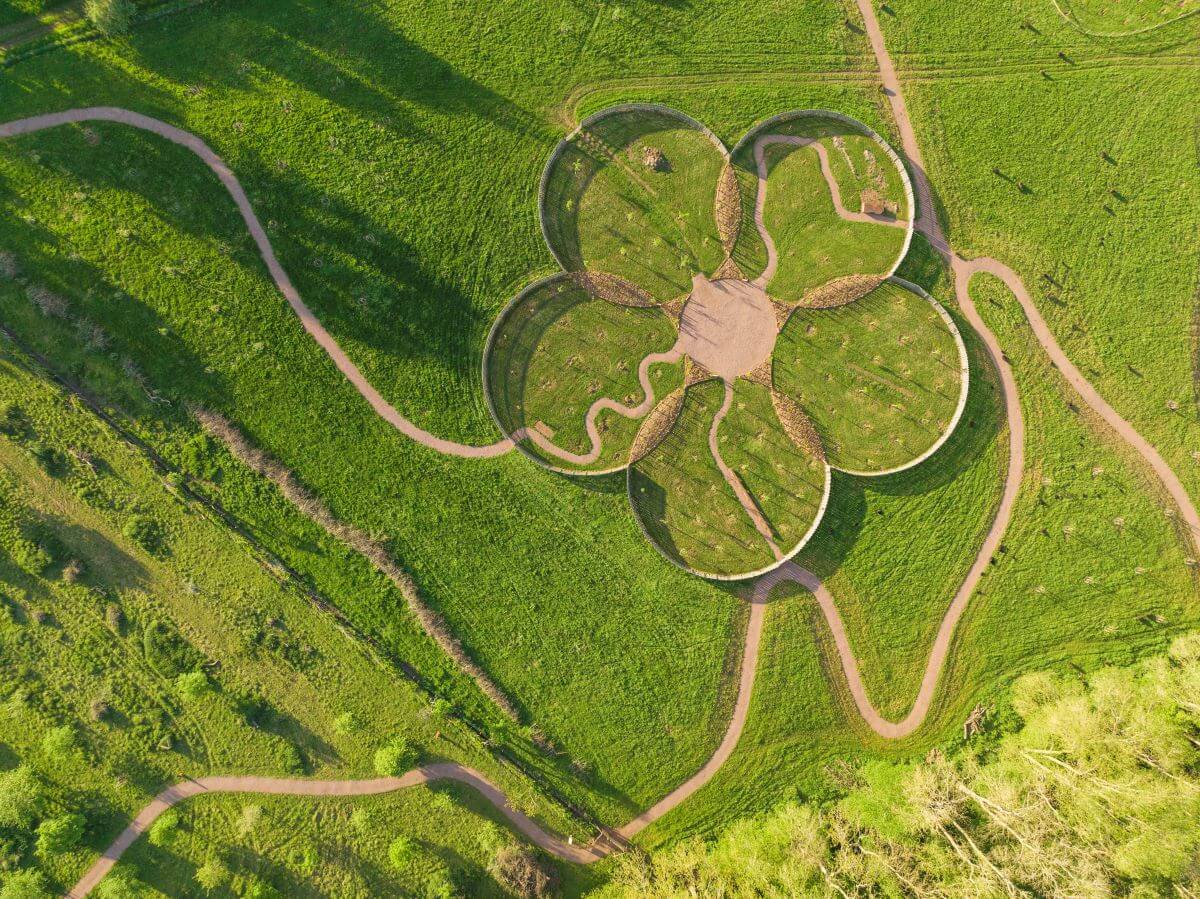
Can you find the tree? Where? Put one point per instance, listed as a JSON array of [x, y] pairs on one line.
[[26, 884], [394, 758], [20, 797], [119, 885], [109, 17], [59, 743], [61, 834], [192, 685], [212, 875]]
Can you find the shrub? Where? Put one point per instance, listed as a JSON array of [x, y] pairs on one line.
[[47, 301], [10, 268], [29, 556], [109, 17], [61, 834], [59, 743], [20, 797], [145, 532], [394, 758], [523, 873], [346, 724], [13, 421], [26, 884], [402, 851], [165, 831], [193, 685]]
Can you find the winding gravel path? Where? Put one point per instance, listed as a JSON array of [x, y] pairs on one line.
[[310, 322], [835, 193]]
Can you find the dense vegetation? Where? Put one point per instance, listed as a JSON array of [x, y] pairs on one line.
[[1096, 794]]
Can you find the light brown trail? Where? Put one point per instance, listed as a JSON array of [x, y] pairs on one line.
[[310, 322]]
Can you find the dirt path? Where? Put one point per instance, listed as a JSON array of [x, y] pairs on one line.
[[310, 322], [835, 194], [671, 356]]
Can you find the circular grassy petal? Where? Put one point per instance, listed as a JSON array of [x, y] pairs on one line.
[[632, 194], [883, 379], [737, 513], [555, 352], [826, 255]]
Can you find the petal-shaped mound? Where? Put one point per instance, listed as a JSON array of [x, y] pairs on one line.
[[884, 379], [632, 194], [567, 372], [726, 492], [834, 203]]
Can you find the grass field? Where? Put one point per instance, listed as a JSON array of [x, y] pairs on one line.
[[607, 210], [1069, 587], [557, 350], [1116, 17], [394, 156], [331, 847], [880, 377], [683, 500]]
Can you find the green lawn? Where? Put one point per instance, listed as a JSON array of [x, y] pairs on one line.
[[684, 502], [606, 210], [557, 350], [814, 244], [1115, 17], [881, 377]]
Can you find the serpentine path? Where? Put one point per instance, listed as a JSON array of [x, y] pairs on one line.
[[760, 202], [963, 270]]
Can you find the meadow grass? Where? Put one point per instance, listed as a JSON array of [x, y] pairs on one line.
[[814, 243], [557, 350], [879, 377], [1091, 572], [607, 210], [1115, 17], [307, 847]]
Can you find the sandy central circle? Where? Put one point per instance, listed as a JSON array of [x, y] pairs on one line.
[[728, 326]]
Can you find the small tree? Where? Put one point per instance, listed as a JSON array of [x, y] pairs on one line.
[[26, 884], [402, 851], [192, 685], [59, 743], [165, 830], [109, 17], [346, 724], [212, 875], [394, 758], [119, 885], [260, 889], [20, 797], [61, 834]]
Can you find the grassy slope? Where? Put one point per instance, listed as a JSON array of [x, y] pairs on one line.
[[560, 351], [255, 638], [685, 502], [815, 244]]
